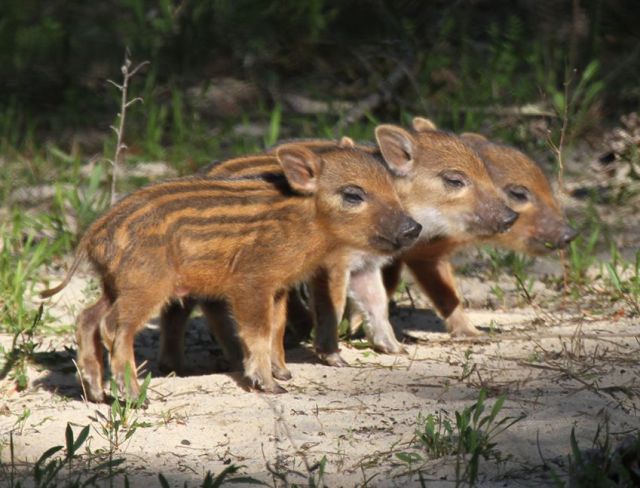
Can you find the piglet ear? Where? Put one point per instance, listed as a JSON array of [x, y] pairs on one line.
[[397, 147], [422, 124], [346, 141], [300, 166], [473, 137]]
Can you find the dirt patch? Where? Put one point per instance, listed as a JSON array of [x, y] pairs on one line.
[[561, 370]]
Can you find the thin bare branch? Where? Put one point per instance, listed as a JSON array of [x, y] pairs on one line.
[[137, 68], [131, 102], [119, 87], [124, 104]]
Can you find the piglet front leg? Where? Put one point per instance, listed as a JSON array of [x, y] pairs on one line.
[[329, 296], [368, 293]]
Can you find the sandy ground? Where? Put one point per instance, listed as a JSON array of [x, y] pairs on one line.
[[560, 369], [562, 363]]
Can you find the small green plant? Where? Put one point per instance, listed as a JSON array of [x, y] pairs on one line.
[[344, 329], [24, 249], [493, 327], [275, 123], [582, 256], [314, 475], [512, 262], [436, 435], [603, 464], [515, 264], [498, 292], [156, 115], [576, 104], [227, 475], [22, 349], [468, 365], [48, 472], [120, 423], [469, 436], [21, 254], [625, 279], [81, 203], [21, 421]]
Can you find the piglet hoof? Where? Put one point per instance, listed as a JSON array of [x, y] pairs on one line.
[[167, 367], [93, 392], [387, 345], [333, 359], [130, 393], [467, 330], [257, 383], [131, 402], [274, 389], [280, 373]]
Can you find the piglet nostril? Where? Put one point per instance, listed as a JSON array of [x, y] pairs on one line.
[[569, 235], [409, 232], [508, 220]]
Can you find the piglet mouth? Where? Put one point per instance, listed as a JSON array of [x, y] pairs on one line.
[[385, 244], [558, 243], [404, 238]]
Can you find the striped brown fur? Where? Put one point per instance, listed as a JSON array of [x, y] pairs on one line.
[[173, 319], [423, 162], [242, 240]]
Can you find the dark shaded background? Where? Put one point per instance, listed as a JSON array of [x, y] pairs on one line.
[[56, 55]]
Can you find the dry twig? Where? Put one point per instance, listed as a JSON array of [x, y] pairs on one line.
[[127, 74]]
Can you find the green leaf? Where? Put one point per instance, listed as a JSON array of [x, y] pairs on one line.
[[613, 275], [497, 406], [473, 468], [84, 433], [222, 477], [48, 453], [112, 463], [274, 126], [68, 433], [246, 480], [591, 70], [478, 407], [558, 102], [574, 446], [163, 481], [409, 457]]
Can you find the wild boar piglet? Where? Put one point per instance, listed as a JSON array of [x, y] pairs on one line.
[[245, 241]]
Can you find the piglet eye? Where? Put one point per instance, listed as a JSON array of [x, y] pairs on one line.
[[519, 194], [353, 195], [454, 179]]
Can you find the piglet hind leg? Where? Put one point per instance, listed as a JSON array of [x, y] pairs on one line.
[[90, 354], [367, 291], [173, 323], [391, 276], [223, 328], [299, 315], [254, 316]]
